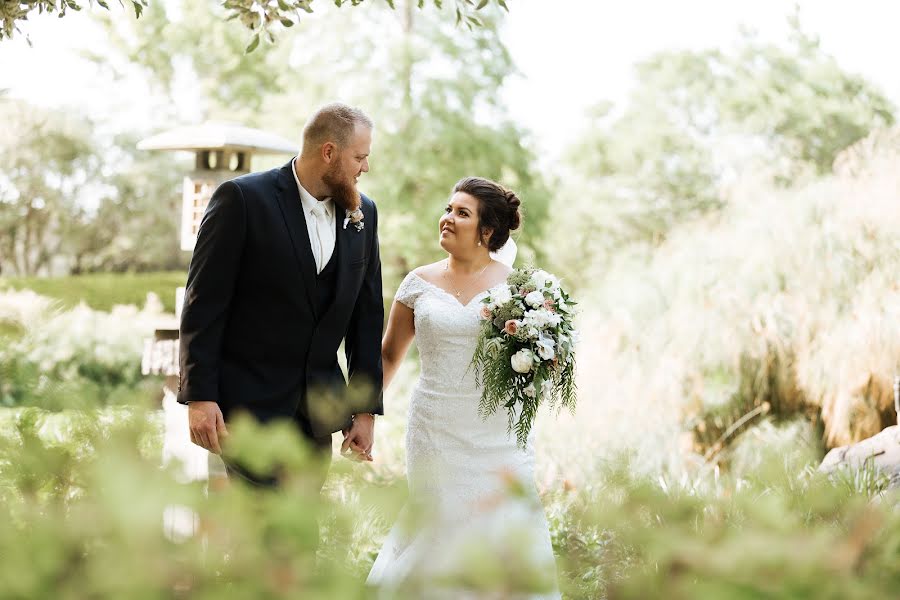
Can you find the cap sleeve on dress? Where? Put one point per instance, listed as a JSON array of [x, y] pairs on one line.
[[410, 290]]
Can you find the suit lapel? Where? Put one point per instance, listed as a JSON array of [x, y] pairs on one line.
[[292, 211], [345, 242], [342, 246]]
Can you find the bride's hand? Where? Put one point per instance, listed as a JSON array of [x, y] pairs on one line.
[[359, 439]]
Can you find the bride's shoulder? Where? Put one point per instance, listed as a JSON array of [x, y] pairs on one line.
[[430, 272], [414, 284], [500, 270]]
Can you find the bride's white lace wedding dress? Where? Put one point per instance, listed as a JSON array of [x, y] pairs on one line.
[[473, 512]]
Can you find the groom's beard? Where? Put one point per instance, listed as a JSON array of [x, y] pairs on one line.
[[343, 189]]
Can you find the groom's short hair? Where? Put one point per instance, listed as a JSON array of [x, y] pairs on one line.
[[333, 123]]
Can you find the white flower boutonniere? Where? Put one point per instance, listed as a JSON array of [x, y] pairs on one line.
[[355, 217]]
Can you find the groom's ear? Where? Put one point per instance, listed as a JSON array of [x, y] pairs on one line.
[[329, 151]]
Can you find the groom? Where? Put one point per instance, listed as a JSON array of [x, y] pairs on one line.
[[285, 268]]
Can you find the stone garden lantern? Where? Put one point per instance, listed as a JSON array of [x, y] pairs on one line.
[[222, 151]]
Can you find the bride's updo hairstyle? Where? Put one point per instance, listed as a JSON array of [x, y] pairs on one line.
[[498, 208]]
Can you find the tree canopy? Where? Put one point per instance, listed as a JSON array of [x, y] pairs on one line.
[[262, 17]]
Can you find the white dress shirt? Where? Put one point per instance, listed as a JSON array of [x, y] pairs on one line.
[[320, 227]]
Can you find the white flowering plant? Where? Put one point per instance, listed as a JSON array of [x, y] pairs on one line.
[[525, 353], [57, 358]]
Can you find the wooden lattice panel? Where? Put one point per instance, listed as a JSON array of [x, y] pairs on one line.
[[160, 357], [196, 195]]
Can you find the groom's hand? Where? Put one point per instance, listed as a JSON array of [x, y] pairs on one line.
[[359, 439], [207, 425]]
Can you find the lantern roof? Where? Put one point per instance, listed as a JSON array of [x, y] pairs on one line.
[[217, 135]]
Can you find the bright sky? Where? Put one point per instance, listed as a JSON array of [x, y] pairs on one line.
[[571, 55], [584, 51]]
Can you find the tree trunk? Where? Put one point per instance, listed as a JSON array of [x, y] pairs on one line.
[[8, 254], [408, 62], [26, 243]]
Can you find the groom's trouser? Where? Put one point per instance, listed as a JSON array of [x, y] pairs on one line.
[[320, 462], [317, 469]]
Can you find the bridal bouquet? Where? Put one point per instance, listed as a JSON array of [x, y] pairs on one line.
[[525, 352]]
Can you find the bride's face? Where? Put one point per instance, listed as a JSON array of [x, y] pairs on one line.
[[458, 227]]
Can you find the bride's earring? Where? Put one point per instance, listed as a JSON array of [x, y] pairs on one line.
[[479, 242]]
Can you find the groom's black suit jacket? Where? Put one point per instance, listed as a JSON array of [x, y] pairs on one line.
[[258, 333]]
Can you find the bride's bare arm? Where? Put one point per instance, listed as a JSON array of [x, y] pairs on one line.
[[399, 335]]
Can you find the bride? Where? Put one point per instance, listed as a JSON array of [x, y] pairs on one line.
[[473, 526]]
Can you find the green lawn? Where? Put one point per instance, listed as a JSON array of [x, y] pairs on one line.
[[103, 290]]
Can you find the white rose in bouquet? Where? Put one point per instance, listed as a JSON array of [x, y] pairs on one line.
[[535, 299], [545, 348], [522, 361], [540, 278], [500, 295], [541, 318]]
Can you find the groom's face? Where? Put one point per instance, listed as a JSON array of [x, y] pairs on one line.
[[346, 166]]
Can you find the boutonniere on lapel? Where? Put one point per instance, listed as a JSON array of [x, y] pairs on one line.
[[355, 217]]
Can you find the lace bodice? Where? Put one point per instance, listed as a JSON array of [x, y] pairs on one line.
[[446, 333]]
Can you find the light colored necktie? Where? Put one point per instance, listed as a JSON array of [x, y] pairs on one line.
[[323, 235]]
